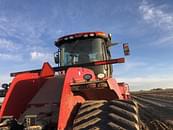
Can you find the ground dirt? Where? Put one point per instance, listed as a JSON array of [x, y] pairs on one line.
[[155, 108]]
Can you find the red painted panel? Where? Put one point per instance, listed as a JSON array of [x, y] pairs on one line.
[[68, 100], [47, 70], [22, 89], [115, 87], [125, 90]]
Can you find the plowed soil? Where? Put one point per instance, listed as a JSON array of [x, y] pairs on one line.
[[156, 108]]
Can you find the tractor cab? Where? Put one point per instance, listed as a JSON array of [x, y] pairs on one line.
[[81, 48]]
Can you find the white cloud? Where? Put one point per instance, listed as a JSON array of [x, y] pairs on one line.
[[148, 79], [27, 34], [129, 65], [7, 44], [5, 78], [10, 57], [146, 75], [164, 40], [156, 16], [148, 82], [35, 55]]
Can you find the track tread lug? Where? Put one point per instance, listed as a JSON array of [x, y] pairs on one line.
[[107, 115]]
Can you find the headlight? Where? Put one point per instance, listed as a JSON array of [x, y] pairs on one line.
[[101, 76], [87, 77]]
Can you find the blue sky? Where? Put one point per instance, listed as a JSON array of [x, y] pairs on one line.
[[28, 29]]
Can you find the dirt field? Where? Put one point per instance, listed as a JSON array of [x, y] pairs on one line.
[[156, 108]]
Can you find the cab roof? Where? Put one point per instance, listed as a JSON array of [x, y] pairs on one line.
[[61, 40]]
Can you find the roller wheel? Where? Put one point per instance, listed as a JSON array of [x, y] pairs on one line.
[[107, 115]]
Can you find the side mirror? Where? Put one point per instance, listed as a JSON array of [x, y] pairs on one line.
[[5, 86], [57, 57], [126, 49]]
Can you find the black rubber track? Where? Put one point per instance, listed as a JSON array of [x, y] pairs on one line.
[[107, 115]]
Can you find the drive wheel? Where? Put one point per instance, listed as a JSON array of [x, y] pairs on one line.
[[107, 115]]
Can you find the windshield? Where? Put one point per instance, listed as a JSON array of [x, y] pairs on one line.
[[80, 51]]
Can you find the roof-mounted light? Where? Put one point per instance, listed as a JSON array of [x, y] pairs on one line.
[[85, 35], [71, 37], [66, 38], [78, 35], [92, 34], [102, 34]]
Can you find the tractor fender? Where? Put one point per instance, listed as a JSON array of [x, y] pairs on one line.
[[68, 100]]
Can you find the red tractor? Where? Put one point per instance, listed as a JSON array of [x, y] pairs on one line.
[[79, 94]]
